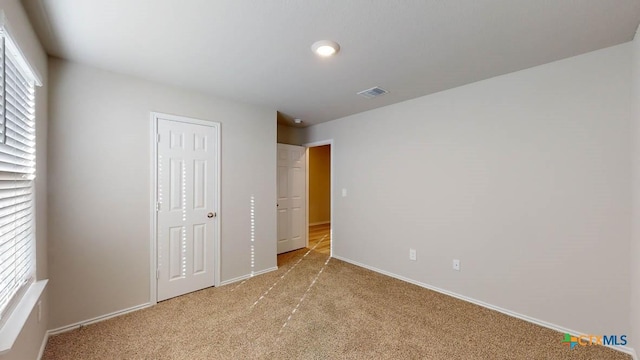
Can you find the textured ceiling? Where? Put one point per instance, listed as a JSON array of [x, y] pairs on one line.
[[259, 51]]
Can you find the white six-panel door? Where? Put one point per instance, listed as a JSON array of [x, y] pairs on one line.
[[187, 155], [292, 209]]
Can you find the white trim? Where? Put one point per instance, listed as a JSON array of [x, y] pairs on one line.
[[13, 47], [184, 119], [307, 167], [217, 205], [155, 116], [319, 223], [318, 143], [45, 339], [97, 319], [331, 188], [153, 260], [624, 349], [19, 315], [248, 276]]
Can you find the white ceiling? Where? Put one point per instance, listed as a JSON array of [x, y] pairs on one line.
[[259, 51]]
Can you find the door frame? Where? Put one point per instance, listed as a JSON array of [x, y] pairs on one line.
[[331, 190], [153, 248]]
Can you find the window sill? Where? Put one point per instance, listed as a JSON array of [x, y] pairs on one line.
[[19, 316]]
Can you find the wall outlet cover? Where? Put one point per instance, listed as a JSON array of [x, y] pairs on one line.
[[456, 264]]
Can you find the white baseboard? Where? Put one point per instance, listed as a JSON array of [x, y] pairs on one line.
[[97, 319], [134, 308], [247, 276], [319, 223], [542, 323]]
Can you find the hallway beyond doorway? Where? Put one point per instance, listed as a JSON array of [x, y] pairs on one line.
[[320, 238]]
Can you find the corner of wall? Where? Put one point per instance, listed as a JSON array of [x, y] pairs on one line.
[[290, 135]]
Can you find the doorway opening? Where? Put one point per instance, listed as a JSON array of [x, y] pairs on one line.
[[320, 207]]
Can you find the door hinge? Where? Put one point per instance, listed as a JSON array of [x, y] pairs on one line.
[[158, 206], [157, 274], [157, 138]]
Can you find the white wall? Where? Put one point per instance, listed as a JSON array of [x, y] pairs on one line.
[[99, 205], [635, 241], [28, 343], [525, 178]]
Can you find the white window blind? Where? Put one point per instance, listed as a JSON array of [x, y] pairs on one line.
[[17, 174]]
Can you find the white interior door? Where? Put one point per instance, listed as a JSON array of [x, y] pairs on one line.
[[187, 163], [292, 194]]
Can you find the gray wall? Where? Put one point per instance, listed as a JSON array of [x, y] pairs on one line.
[[290, 135], [100, 185], [30, 339], [525, 178], [635, 242]]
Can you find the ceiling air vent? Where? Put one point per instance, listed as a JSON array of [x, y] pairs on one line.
[[373, 92]]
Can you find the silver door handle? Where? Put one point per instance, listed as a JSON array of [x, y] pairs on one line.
[[211, 214]]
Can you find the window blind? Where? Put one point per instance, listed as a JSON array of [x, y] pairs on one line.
[[17, 174]]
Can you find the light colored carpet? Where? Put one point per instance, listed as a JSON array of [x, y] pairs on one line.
[[313, 309]]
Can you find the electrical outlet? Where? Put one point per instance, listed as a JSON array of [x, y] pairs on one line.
[[456, 264], [344, 192], [412, 254]]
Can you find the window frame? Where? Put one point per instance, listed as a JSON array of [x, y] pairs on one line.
[[25, 300]]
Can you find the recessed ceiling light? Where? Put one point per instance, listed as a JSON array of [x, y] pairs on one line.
[[325, 47]]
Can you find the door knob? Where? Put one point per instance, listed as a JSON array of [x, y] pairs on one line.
[[210, 215]]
